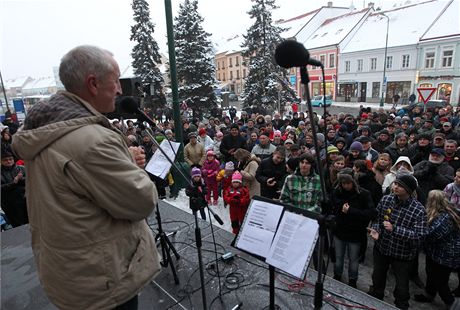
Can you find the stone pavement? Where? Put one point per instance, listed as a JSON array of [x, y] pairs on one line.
[[364, 281]]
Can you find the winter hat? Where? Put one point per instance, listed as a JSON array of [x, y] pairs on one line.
[[425, 136], [332, 149], [346, 175], [288, 141], [301, 123], [364, 139], [230, 166], [343, 128], [341, 140], [407, 181], [277, 133], [196, 172], [168, 131], [201, 131], [356, 146], [438, 151], [210, 153], [237, 177], [384, 132], [219, 134], [320, 137], [192, 134]]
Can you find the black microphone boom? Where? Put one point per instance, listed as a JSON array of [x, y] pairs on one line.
[[290, 53]]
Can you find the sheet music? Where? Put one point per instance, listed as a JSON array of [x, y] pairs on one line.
[[259, 227], [293, 244], [159, 165]]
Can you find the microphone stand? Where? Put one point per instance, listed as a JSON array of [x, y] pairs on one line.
[[215, 252], [197, 227], [319, 285]]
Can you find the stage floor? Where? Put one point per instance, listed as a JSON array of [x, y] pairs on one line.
[[243, 280]]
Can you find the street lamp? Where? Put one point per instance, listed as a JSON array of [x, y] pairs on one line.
[[384, 82]]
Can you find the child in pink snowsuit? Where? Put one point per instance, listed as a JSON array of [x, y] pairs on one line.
[[210, 170]]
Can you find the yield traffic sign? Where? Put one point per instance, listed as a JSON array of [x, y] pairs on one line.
[[426, 93]]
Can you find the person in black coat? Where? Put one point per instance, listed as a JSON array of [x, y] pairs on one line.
[[366, 179], [13, 190], [231, 142], [420, 151], [354, 209], [270, 174]]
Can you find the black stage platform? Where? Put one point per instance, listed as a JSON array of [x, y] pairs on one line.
[[244, 280]]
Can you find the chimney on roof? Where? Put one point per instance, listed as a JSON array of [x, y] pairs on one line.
[[329, 4], [370, 4]]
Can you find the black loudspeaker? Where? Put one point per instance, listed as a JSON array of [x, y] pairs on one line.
[[119, 113], [131, 86]]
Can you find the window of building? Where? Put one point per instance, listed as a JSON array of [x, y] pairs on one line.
[[360, 65], [237, 60], [224, 77], [389, 62], [218, 76], [429, 59], [218, 65], [375, 89], [322, 59], [405, 61], [230, 62], [373, 64], [347, 66], [244, 73], [447, 55], [331, 60], [238, 74], [231, 75]]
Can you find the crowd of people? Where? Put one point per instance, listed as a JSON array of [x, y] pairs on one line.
[[392, 176]]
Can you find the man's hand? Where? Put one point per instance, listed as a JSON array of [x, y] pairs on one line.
[[345, 208], [138, 155], [373, 233], [388, 226]]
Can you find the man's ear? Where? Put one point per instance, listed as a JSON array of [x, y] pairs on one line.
[[92, 84]]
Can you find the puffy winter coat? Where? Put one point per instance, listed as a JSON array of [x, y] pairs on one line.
[[87, 203], [209, 171], [237, 197]]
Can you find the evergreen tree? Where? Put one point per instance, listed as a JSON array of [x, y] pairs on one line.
[[266, 83], [145, 54], [195, 60]]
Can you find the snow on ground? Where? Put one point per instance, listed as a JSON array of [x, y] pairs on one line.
[[182, 202]]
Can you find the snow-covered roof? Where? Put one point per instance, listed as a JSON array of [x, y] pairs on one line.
[[448, 24], [406, 26], [44, 82], [16, 82], [229, 45], [334, 30], [295, 24]]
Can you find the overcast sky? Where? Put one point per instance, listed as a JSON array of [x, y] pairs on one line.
[[35, 34]]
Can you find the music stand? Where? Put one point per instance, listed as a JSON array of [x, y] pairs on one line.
[[269, 231]]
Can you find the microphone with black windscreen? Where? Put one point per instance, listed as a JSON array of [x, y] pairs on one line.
[[290, 53]]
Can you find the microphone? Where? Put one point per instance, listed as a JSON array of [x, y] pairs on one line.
[[129, 105], [290, 53], [218, 219]]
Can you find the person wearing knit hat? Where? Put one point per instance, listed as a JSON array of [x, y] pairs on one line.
[[231, 142], [237, 197], [356, 146], [398, 230], [292, 164], [210, 170], [197, 192], [353, 209], [225, 177]]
